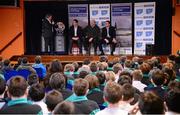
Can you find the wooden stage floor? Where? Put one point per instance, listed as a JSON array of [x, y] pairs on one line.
[[78, 58]]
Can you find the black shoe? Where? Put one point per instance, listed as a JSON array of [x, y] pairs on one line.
[[112, 53]]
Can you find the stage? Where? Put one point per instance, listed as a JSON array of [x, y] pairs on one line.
[[79, 58]]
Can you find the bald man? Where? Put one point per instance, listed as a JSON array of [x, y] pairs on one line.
[[92, 34]]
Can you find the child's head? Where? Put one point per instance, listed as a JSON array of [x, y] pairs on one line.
[[52, 99], [57, 81], [128, 92], [158, 77], [32, 79], [112, 92], [36, 92], [64, 107], [150, 103], [80, 87]]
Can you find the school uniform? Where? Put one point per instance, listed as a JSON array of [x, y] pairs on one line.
[[83, 105], [66, 93], [96, 95], [158, 90], [21, 106]]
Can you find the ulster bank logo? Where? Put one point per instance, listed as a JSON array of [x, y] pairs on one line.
[[104, 12], [149, 11], [148, 33], [139, 11], [139, 22], [148, 22], [138, 34], [94, 12], [139, 45]]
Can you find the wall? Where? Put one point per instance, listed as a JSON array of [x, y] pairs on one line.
[[11, 23], [176, 27]]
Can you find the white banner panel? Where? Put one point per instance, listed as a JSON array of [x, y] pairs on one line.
[[100, 13], [144, 24], [121, 18], [79, 12]]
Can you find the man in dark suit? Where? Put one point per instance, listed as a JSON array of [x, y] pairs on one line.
[[108, 37], [47, 32], [92, 35], [75, 36]]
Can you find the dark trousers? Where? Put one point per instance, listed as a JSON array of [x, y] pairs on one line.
[[112, 45], [79, 44], [49, 42], [88, 44]]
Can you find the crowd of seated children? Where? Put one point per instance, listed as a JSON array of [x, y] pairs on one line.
[[25, 65], [118, 86]]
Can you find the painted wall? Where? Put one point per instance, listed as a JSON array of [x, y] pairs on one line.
[[176, 27], [11, 23]]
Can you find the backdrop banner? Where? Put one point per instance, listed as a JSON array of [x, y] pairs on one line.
[[79, 12], [144, 26], [121, 19], [100, 13]]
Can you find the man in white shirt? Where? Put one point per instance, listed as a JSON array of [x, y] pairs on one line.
[[137, 77], [75, 36], [113, 95]]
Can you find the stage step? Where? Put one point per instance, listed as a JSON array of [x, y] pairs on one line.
[[78, 58]]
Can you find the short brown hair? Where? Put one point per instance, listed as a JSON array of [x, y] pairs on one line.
[[37, 59], [55, 66], [93, 81], [93, 66], [17, 86], [80, 86], [57, 81], [117, 67], [110, 76], [158, 77], [69, 68], [112, 92], [128, 91], [64, 107], [52, 99], [145, 68], [137, 75], [150, 103], [128, 63]]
